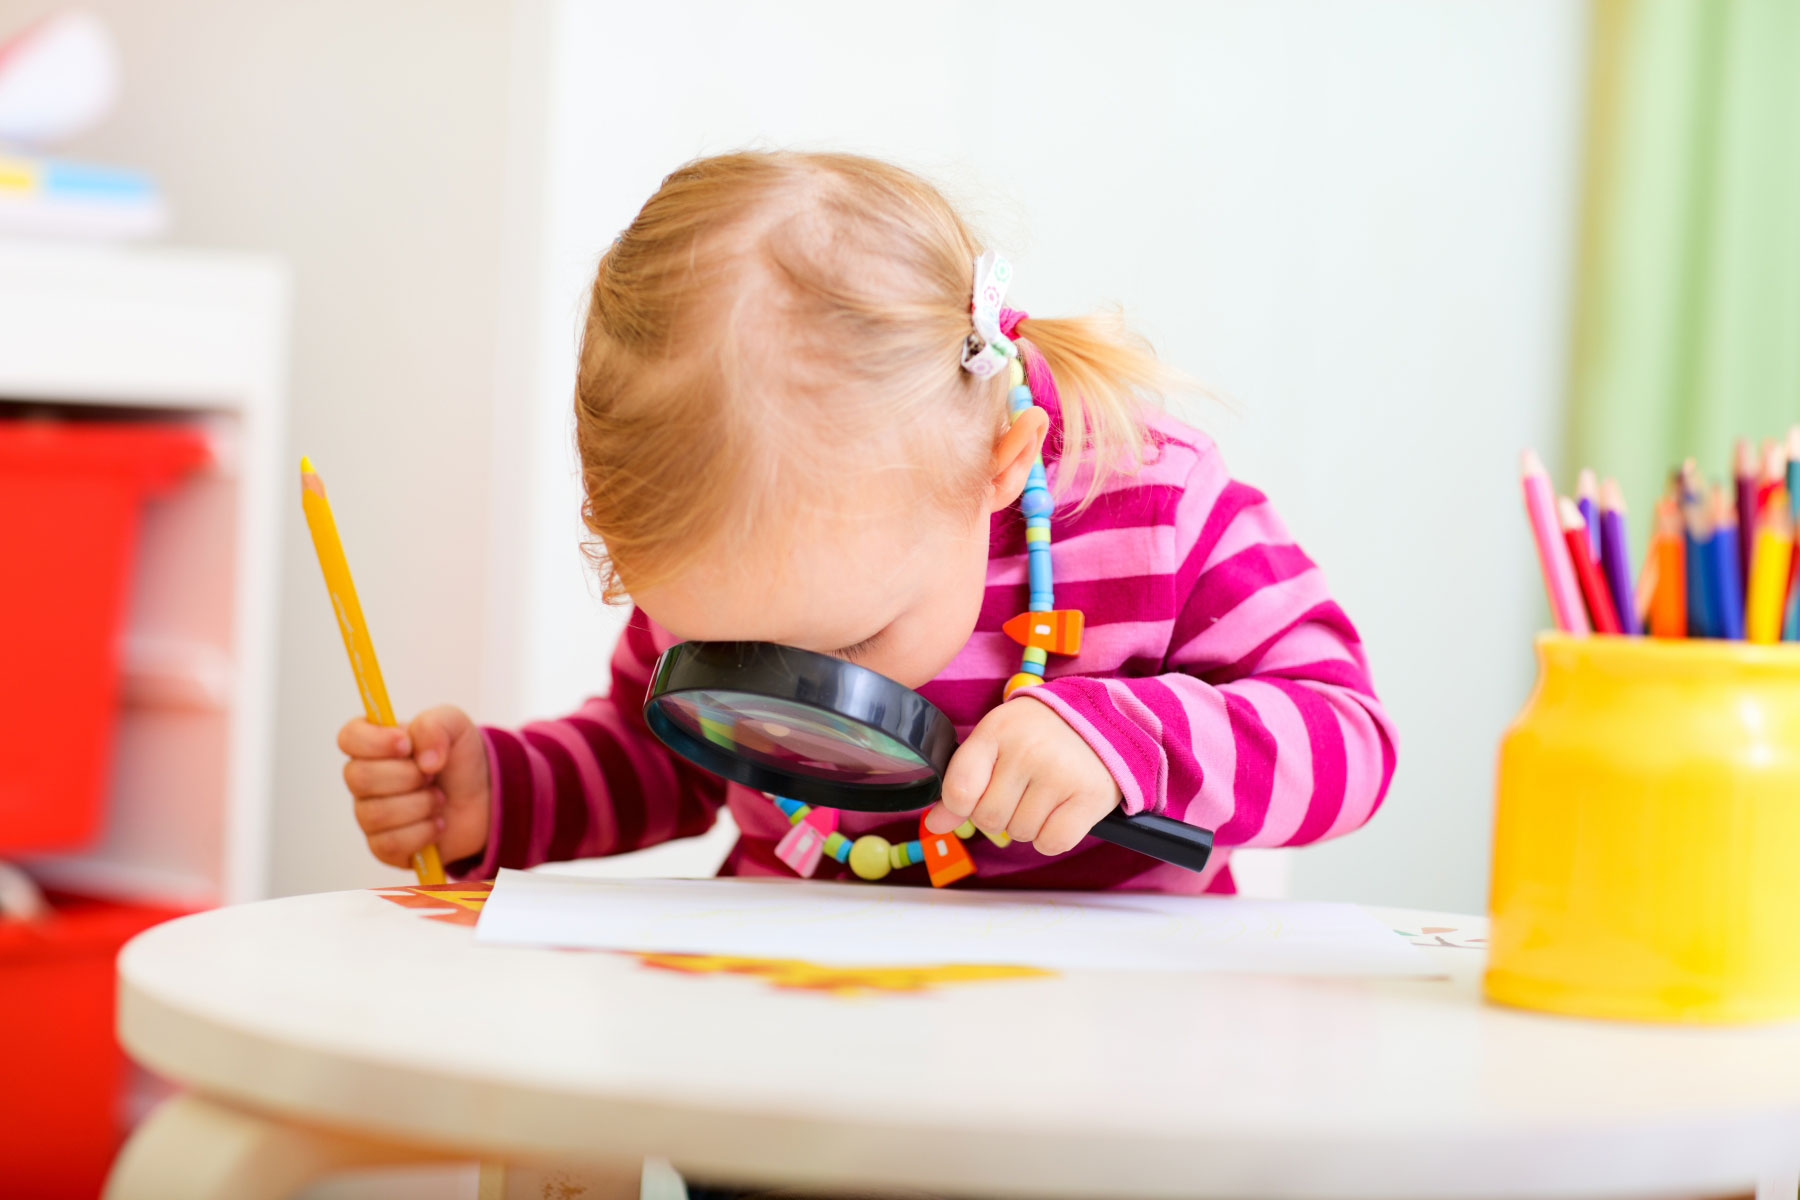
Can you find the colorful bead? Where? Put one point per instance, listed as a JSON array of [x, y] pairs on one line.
[[869, 856], [1030, 668], [838, 846], [945, 857], [1035, 478], [793, 810], [966, 830], [1039, 565], [1001, 839], [1035, 656], [1036, 502], [801, 847], [1015, 373], [1021, 680], [1059, 631], [1019, 399]]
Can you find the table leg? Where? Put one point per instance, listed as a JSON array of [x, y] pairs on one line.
[[193, 1148]]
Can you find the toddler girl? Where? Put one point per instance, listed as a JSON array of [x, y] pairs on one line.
[[788, 433]]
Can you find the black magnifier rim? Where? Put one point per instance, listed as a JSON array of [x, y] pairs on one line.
[[817, 681]]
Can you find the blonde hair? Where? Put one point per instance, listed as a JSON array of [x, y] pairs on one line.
[[845, 282]]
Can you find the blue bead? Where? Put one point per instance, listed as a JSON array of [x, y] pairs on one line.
[[1037, 522], [1019, 397], [1036, 477], [1036, 502], [1040, 572], [1031, 668], [788, 807], [1042, 602]]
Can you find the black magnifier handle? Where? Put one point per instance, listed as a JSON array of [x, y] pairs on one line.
[[1160, 837]]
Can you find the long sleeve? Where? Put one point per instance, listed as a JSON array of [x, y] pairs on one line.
[[593, 783], [1262, 723]]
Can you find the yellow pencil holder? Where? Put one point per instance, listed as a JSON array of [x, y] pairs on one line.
[[1647, 833]]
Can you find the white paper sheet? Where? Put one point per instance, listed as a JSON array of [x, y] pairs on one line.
[[857, 924]]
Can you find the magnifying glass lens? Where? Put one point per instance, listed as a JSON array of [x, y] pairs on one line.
[[794, 737]]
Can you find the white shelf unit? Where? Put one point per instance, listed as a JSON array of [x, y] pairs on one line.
[[197, 337]]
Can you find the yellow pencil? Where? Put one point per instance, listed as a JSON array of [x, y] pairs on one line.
[[1769, 571], [350, 623]]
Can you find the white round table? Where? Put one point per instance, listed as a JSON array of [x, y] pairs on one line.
[[327, 1030]]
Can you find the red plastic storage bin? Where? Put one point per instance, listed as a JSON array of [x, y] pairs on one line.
[[60, 1110], [70, 498]]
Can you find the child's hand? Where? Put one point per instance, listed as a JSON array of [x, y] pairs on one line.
[[1025, 772], [424, 784]]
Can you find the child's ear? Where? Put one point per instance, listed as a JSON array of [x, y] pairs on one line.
[[1014, 452]]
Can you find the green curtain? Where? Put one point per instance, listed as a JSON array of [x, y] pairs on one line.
[[1687, 324]]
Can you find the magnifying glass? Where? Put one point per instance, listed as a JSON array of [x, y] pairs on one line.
[[826, 732]]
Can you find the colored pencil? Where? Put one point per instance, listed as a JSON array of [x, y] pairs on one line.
[[1648, 581], [1697, 538], [1767, 603], [357, 644], [1615, 558], [1566, 606], [1790, 624], [1668, 608], [1790, 621], [1587, 499], [1793, 473], [1587, 573], [1744, 477], [1774, 473], [1729, 613]]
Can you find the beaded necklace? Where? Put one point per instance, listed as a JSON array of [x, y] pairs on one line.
[[1041, 629]]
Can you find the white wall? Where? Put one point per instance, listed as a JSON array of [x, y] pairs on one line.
[[1352, 219], [364, 143]]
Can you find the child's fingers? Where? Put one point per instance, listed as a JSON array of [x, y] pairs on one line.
[[382, 776], [967, 776], [1034, 809], [364, 739], [389, 813], [941, 820], [397, 846], [433, 732], [1064, 828], [1006, 787]]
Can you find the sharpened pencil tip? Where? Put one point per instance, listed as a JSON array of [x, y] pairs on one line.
[[306, 467], [1571, 516], [1531, 464], [1612, 496]]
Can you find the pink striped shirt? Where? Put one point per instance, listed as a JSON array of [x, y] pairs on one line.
[[1217, 680]]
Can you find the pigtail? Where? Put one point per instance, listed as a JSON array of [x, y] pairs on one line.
[[1108, 378]]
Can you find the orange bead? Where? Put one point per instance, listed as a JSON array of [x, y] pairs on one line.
[[945, 858], [1057, 632], [1023, 679]]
